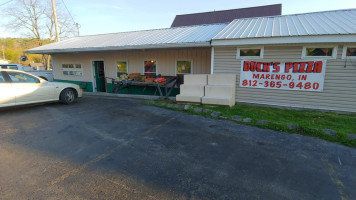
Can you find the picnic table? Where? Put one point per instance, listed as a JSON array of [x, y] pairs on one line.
[[169, 85]]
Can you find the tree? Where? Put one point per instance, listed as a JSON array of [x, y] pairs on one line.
[[35, 19], [12, 48]]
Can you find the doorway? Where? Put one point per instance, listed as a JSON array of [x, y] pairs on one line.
[[99, 76]]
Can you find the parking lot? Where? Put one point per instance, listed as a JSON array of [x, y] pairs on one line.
[[115, 148]]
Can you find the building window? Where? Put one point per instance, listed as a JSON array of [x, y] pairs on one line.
[[150, 67], [249, 53], [184, 67], [72, 69], [121, 68], [349, 52], [319, 52]]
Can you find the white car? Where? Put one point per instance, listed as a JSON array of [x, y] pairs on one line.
[[19, 88]]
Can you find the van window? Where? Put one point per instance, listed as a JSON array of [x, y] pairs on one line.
[[9, 67], [2, 79]]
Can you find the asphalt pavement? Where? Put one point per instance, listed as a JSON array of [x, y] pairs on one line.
[[119, 148]]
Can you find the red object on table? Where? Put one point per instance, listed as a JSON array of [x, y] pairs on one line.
[[160, 80]]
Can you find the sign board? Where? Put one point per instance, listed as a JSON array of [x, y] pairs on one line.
[[294, 75]]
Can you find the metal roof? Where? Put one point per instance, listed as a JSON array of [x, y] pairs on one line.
[[339, 22], [189, 36], [223, 16]]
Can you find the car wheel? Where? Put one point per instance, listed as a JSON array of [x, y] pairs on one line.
[[67, 96]]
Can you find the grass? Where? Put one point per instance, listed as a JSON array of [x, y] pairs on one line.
[[310, 122]]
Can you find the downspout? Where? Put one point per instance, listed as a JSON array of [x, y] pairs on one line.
[[212, 61]]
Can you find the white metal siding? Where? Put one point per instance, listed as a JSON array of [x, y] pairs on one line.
[[165, 61], [339, 86]]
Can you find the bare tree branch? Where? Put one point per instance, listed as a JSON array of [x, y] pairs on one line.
[[34, 18]]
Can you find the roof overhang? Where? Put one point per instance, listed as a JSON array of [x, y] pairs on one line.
[[285, 40], [118, 48]]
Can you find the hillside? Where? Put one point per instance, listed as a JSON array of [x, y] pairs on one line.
[[12, 48]]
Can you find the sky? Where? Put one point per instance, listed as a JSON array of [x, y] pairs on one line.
[[110, 16]]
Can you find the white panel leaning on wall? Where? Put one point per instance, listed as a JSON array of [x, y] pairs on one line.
[[220, 90], [217, 89]]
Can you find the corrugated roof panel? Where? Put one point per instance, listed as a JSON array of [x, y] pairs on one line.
[[255, 28], [178, 36], [284, 26], [248, 28], [238, 31], [333, 23], [269, 27], [307, 26], [233, 28], [276, 29], [324, 22], [227, 29], [340, 22], [319, 23], [302, 29], [261, 28], [347, 18], [195, 35], [245, 30]]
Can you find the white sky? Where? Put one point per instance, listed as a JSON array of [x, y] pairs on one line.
[[108, 16]]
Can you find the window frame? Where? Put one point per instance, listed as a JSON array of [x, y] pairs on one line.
[[72, 69], [127, 66], [344, 51], [143, 64], [333, 54], [238, 53], [191, 66]]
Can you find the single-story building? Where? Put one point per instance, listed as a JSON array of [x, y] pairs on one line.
[[304, 60], [182, 49], [89, 59]]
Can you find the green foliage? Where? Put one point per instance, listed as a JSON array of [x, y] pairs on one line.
[[14, 48]]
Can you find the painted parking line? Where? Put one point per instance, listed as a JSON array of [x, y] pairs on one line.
[[339, 184], [85, 165], [101, 157], [158, 126]]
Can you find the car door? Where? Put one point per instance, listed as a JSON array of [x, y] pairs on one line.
[[7, 96], [30, 89]]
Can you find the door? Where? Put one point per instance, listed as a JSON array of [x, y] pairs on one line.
[[7, 96], [99, 76], [30, 89]]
